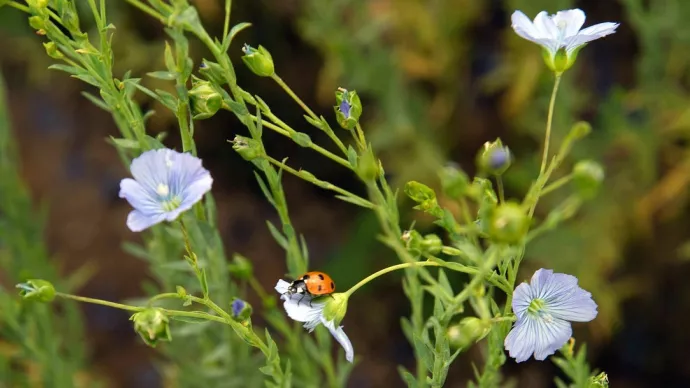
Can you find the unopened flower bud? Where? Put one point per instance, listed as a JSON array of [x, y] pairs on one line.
[[413, 240], [336, 307], [37, 289], [212, 72], [507, 223], [37, 22], [52, 50], [467, 332], [348, 108], [152, 325], [454, 182], [367, 166], [424, 196], [205, 100], [241, 310], [588, 176], [432, 244], [241, 267], [494, 158], [258, 61], [249, 149]]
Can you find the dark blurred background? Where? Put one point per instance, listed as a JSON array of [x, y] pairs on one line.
[[438, 78]]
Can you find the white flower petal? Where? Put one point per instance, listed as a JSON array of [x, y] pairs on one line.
[[301, 307], [546, 27], [342, 338], [571, 20], [589, 34], [282, 286], [524, 27], [138, 221]]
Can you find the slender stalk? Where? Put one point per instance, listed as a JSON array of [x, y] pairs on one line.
[[20, 7], [313, 146], [549, 121], [167, 295], [294, 96], [556, 184], [226, 22], [499, 184], [390, 269], [172, 313], [317, 182]]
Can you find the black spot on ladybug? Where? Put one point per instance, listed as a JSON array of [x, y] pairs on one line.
[[305, 277], [321, 276], [319, 287], [332, 285]]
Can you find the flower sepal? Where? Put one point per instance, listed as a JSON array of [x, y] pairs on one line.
[[336, 307], [259, 61], [37, 289]]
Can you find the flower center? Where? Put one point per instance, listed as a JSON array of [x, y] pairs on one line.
[[536, 308], [171, 204], [163, 190]]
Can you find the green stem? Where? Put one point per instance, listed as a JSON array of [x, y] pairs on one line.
[[20, 7], [172, 313], [549, 121], [499, 184], [287, 131], [317, 182], [556, 184], [167, 295], [294, 96], [390, 269], [226, 22]]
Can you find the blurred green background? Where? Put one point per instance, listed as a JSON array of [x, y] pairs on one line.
[[437, 78]]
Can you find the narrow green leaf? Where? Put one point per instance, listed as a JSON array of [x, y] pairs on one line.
[[280, 239], [164, 75]]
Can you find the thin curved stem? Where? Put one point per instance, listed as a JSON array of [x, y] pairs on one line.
[[286, 132], [319, 183], [549, 121], [557, 184], [294, 96], [390, 269]]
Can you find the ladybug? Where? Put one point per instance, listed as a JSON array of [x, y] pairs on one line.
[[312, 283]]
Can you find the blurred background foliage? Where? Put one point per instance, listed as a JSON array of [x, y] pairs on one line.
[[438, 78]]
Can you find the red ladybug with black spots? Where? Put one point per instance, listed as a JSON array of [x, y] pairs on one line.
[[312, 283]]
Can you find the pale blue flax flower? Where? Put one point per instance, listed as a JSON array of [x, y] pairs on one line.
[[544, 310], [560, 35], [165, 184]]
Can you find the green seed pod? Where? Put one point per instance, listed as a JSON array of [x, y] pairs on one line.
[[454, 181], [588, 176], [432, 244], [205, 100], [507, 223], [152, 325], [467, 332], [258, 61], [241, 267]]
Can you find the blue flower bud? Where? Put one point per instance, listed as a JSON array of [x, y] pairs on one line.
[[494, 158], [37, 289], [348, 108], [241, 310], [258, 61], [152, 325]]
